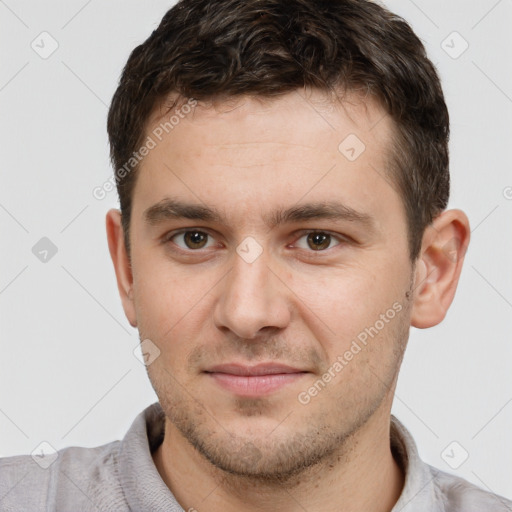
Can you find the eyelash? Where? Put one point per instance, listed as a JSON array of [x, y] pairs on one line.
[[334, 237], [341, 239]]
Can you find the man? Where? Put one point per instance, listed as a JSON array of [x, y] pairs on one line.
[[282, 170]]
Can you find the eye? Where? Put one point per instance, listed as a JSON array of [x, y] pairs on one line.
[[192, 239], [318, 241]]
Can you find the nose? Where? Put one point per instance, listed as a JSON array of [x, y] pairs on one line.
[[252, 298]]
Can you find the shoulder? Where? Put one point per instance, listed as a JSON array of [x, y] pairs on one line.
[[459, 495], [428, 488], [86, 478]]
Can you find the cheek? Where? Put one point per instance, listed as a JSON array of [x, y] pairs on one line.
[[174, 311], [164, 294], [349, 302]]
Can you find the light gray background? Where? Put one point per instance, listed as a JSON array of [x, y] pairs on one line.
[[67, 369]]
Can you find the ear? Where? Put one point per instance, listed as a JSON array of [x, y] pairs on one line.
[[121, 262], [438, 267]]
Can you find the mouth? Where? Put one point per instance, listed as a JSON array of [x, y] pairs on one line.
[[254, 381]]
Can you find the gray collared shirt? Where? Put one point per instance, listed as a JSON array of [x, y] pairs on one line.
[[121, 476]]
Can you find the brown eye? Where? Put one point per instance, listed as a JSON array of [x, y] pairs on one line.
[[195, 239], [318, 241], [190, 239]]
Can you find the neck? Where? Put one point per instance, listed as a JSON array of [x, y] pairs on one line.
[[362, 475]]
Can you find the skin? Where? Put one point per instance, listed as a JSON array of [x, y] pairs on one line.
[[294, 304]]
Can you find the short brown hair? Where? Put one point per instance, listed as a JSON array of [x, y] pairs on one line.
[[208, 49]]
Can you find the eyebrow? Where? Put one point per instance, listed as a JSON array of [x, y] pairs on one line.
[[331, 210], [172, 209], [168, 209]]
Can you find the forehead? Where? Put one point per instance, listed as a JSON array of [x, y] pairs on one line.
[[243, 151], [362, 111]]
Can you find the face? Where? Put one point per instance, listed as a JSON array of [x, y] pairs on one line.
[[271, 269]]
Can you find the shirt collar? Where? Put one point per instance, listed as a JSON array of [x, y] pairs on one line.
[[419, 492], [142, 484], [145, 490]]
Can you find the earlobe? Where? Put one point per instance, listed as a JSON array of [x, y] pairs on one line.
[[122, 267], [438, 267]]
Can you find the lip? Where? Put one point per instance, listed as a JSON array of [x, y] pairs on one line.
[[253, 381], [258, 369]]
